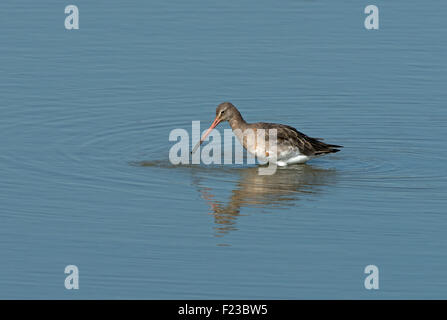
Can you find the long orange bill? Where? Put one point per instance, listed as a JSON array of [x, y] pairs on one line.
[[213, 125]]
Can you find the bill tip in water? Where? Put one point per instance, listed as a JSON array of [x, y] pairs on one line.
[[195, 148]]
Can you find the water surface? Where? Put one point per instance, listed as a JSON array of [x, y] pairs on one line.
[[85, 177]]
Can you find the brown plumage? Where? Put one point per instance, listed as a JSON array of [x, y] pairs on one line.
[[292, 145], [290, 136]]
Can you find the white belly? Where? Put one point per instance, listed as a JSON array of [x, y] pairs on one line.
[[290, 157], [293, 160]]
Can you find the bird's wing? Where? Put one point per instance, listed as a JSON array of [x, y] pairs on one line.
[[307, 145]]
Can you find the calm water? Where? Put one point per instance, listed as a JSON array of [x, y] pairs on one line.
[[85, 177]]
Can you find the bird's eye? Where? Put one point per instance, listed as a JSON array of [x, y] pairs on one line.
[[222, 112]]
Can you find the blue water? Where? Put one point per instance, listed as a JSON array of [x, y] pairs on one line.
[[85, 177]]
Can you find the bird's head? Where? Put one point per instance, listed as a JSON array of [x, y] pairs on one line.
[[225, 112]]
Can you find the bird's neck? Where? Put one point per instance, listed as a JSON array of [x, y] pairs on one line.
[[237, 122]]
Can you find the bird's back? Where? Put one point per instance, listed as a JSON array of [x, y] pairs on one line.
[[288, 136]]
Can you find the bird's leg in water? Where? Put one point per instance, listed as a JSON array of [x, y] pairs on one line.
[[270, 150]]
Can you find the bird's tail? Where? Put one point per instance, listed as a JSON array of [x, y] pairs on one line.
[[328, 148]]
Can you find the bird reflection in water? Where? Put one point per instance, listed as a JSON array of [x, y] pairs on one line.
[[282, 189]]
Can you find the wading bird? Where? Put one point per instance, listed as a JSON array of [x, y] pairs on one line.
[[291, 145]]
